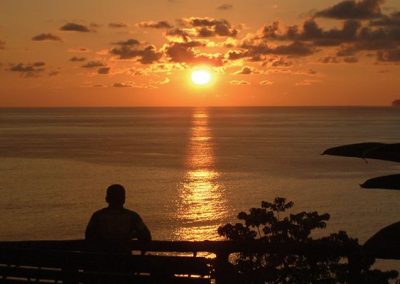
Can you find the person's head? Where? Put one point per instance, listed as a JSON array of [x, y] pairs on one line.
[[115, 195]]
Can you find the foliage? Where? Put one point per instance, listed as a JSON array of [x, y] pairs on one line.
[[274, 226]]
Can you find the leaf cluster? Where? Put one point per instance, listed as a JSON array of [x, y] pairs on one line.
[[273, 225]]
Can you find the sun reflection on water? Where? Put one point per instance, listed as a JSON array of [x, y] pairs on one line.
[[201, 203]]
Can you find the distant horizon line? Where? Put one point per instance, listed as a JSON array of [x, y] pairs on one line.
[[210, 106]]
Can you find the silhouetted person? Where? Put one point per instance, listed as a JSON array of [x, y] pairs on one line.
[[110, 229]]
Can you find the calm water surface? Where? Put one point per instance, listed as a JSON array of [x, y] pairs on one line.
[[189, 170]]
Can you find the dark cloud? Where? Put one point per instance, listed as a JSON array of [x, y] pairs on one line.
[[128, 42], [184, 52], [93, 64], [117, 25], [281, 62], [392, 20], [149, 55], [354, 36], [235, 55], [44, 36], [392, 55], [129, 50], [178, 32], [208, 27], [75, 28], [125, 52], [77, 59], [351, 9], [155, 25], [256, 52], [312, 32], [296, 48], [225, 7], [103, 70], [29, 69], [122, 85]]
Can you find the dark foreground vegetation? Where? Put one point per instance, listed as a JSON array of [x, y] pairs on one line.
[[267, 245], [319, 262]]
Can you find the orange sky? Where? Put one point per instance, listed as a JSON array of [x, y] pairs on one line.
[[140, 53]]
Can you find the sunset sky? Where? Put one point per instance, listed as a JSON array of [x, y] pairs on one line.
[[141, 53]]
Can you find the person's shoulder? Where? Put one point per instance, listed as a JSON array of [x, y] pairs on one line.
[[132, 213], [100, 212]]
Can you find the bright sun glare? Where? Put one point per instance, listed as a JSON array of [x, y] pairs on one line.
[[201, 76]]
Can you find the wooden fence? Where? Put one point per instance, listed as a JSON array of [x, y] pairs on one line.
[[220, 268]]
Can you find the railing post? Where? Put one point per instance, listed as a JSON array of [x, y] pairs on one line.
[[221, 268]]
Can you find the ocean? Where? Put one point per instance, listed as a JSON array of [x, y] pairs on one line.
[[189, 170]]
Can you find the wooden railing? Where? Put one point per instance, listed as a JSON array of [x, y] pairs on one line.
[[221, 249]]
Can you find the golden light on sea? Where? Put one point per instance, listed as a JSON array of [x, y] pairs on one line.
[[201, 204]]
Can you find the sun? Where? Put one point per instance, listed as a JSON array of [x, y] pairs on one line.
[[201, 76]]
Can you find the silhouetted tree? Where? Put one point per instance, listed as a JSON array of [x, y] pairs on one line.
[[273, 225]]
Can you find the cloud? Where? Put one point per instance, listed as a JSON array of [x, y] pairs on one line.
[[117, 25], [392, 55], [155, 25], [266, 83], [296, 48], [354, 36], [122, 85], [77, 59], [329, 59], [307, 82], [53, 73], [163, 82], [75, 28], [225, 7], [245, 71], [281, 62], [128, 42], [184, 52], [208, 27], [235, 55], [149, 55], [178, 32], [93, 64], [389, 21], [256, 52], [334, 36], [146, 55], [350, 59], [79, 50], [239, 82], [352, 9], [312, 32], [44, 36], [29, 69], [103, 70]]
